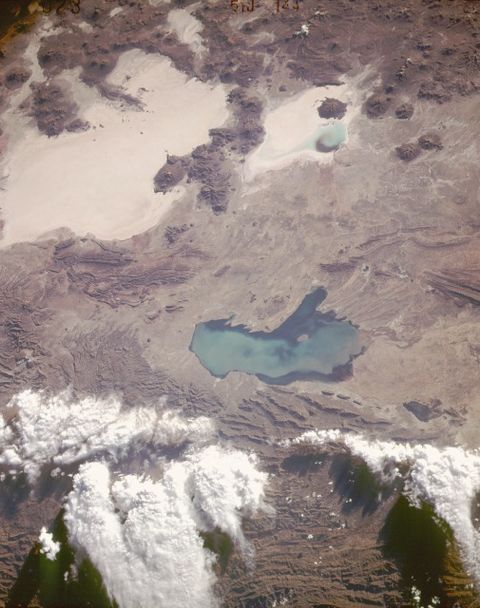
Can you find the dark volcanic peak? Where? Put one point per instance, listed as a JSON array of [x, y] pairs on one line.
[[206, 164], [16, 76], [332, 108], [52, 108], [408, 151], [404, 111], [172, 172], [430, 141], [376, 105]]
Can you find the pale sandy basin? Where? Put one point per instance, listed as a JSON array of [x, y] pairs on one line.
[[101, 181], [291, 128]]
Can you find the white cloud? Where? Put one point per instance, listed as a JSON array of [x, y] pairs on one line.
[[49, 547], [447, 478], [57, 429], [143, 535]]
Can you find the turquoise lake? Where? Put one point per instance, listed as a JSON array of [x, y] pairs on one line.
[[326, 138], [309, 344], [331, 136]]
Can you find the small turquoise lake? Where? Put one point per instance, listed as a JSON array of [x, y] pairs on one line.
[[330, 137], [308, 345]]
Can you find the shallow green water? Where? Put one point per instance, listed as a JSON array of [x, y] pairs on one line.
[[327, 137], [330, 136], [307, 344]]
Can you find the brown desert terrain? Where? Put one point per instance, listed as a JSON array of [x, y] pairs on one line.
[[106, 298]]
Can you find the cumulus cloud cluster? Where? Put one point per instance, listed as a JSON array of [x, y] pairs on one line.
[[48, 546], [57, 429], [143, 535], [447, 478]]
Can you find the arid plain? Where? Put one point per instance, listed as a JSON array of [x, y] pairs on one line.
[[203, 203]]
